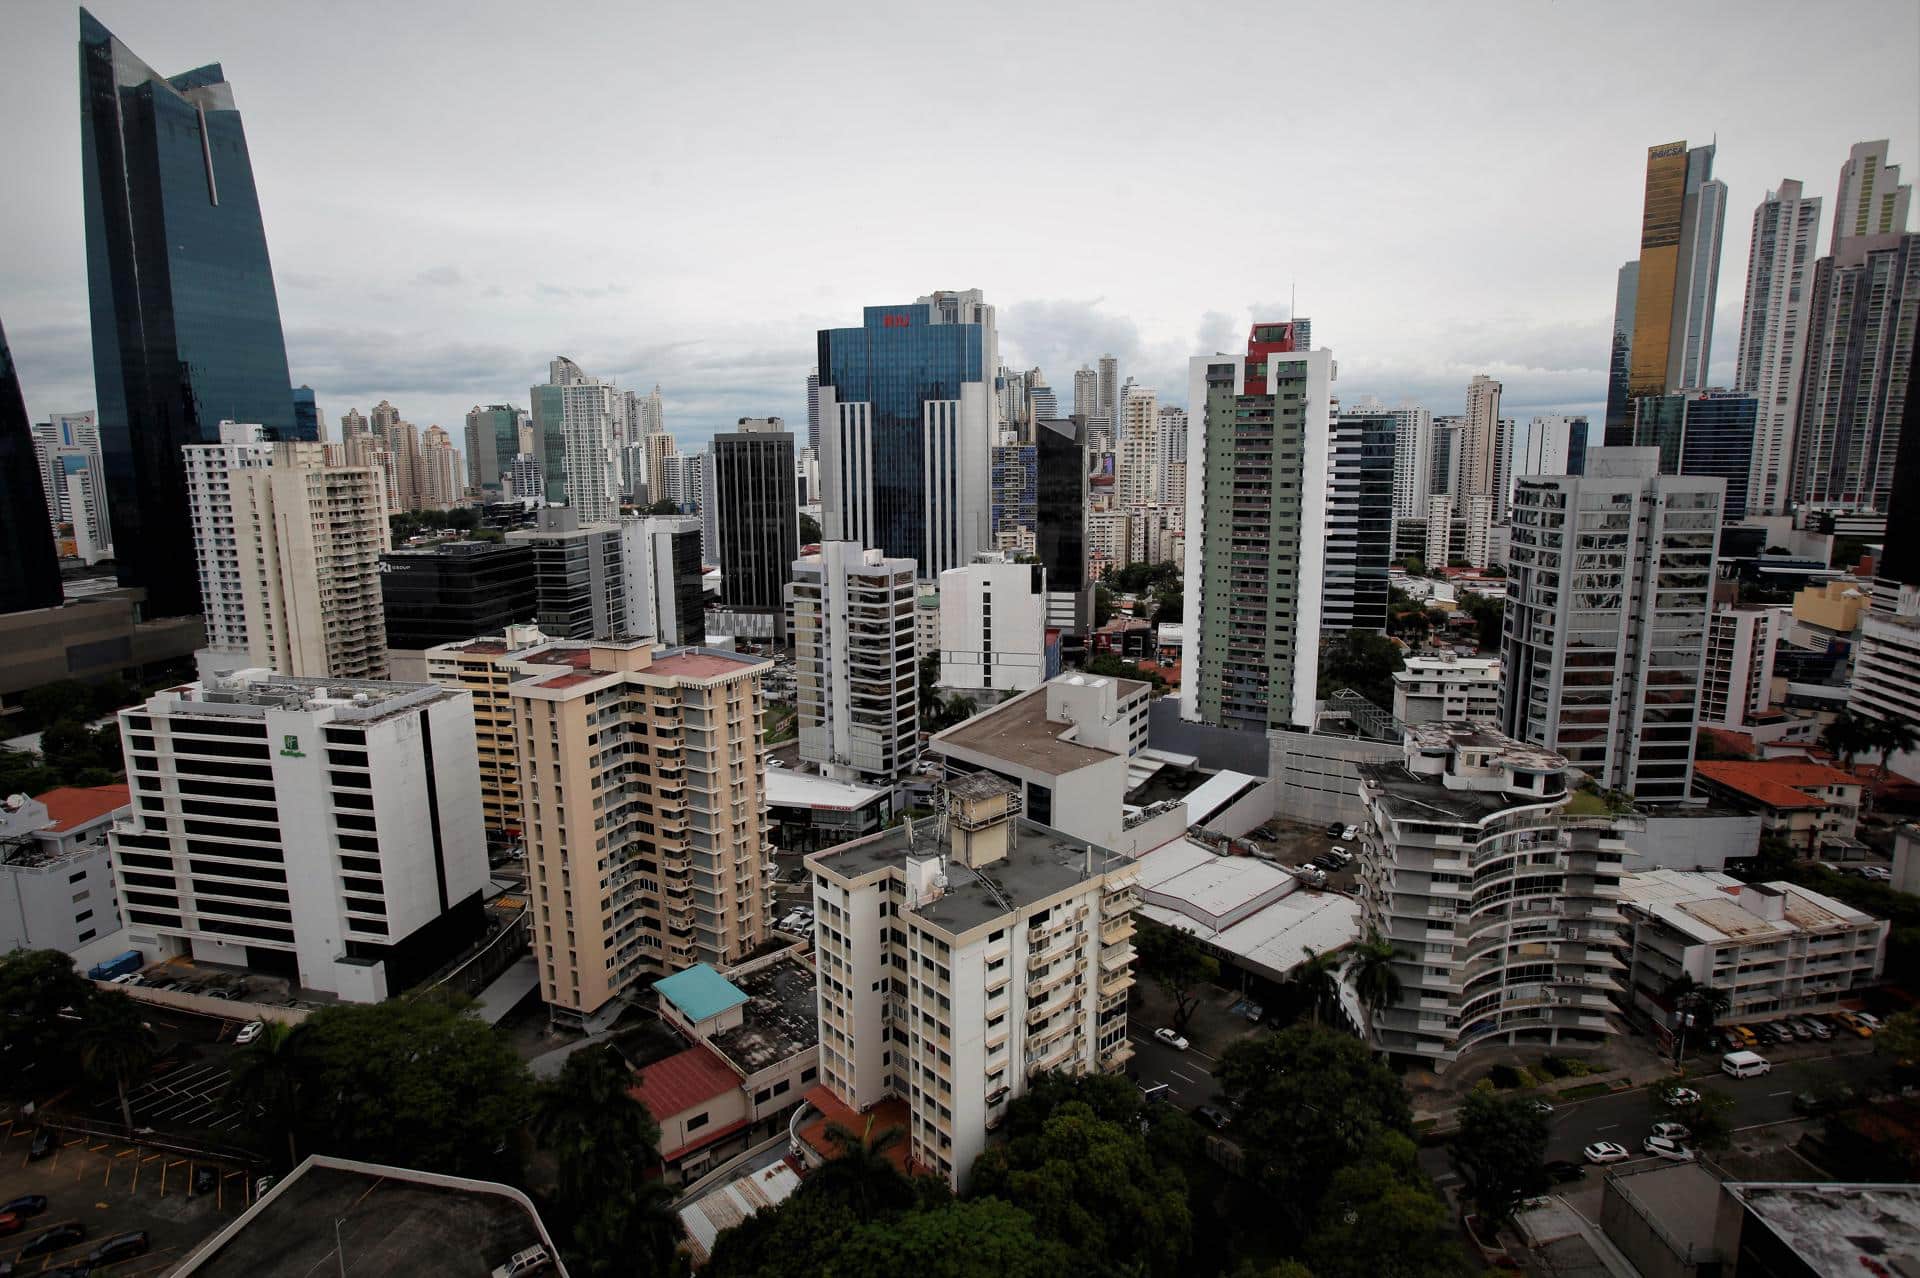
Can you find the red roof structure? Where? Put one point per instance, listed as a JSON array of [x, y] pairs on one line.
[[1777, 783], [75, 806], [683, 1080]]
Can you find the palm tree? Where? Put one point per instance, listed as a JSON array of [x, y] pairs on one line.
[[1316, 981], [590, 1120], [1374, 979], [1848, 735], [1889, 736], [267, 1076], [116, 1045], [861, 1171]]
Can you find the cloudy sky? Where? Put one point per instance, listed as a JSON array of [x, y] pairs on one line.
[[684, 193]]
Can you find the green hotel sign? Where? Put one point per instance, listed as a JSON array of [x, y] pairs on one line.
[[290, 747]]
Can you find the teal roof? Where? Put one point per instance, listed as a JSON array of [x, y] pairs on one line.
[[700, 992]]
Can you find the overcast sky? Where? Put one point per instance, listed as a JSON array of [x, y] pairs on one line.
[[684, 193]]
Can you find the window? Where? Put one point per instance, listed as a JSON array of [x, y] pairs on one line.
[[697, 1121]]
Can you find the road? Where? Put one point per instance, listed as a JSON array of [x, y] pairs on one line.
[[1188, 1075]]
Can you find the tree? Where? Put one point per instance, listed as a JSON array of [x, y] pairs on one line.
[[1488, 615], [809, 530], [36, 986], [1501, 1151], [1849, 734], [590, 1121], [1416, 566], [1889, 737], [1374, 979], [1898, 1039], [116, 1045], [1380, 1220], [1102, 606], [861, 1174], [985, 1238], [1178, 963], [266, 1078], [62, 701], [1705, 1004], [415, 1083], [664, 507], [1317, 980], [1363, 661], [1173, 607], [929, 690]]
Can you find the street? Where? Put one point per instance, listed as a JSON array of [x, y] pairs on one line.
[[1188, 1075]]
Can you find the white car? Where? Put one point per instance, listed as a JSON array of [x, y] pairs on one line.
[[249, 1032], [1171, 1039], [531, 1260], [1678, 1096], [1340, 854], [1606, 1151], [1671, 1131], [1351, 833], [1871, 1021], [1671, 1150]]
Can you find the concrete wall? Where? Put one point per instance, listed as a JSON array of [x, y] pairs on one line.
[[224, 1008], [1639, 1239], [1215, 747], [1254, 809], [1316, 777], [1692, 842]]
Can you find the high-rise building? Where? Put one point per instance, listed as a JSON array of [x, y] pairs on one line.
[[1444, 479], [1258, 436], [1626, 299], [306, 416], [1412, 461], [1171, 429], [1015, 493], [1896, 574], [455, 590], [656, 760], [1359, 523], [493, 439], [186, 324], [29, 570], [1502, 908], [1479, 440], [1086, 392], [442, 479], [1107, 407], [653, 413], [574, 419], [1738, 678], [1609, 582], [813, 411], [756, 515], [66, 450], [484, 666], [1019, 941], [1861, 329], [303, 550], [1677, 278], [661, 452], [524, 480], [665, 581], [1139, 460], [1041, 404], [1060, 520], [326, 828], [1773, 338], [850, 615], [993, 624], [1551, 444], [907, 413], [1702, 433], [579, 582]]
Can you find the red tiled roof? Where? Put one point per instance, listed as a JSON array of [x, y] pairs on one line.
[[699, 665], [569, 679], [681, 1081], [892, 1112], [72, 806], [1778, 783]]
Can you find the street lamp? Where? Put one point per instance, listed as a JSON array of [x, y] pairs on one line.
[[1684, 1020]]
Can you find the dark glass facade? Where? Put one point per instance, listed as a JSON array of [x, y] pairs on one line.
[[456, 591], [493, 440], [306, 414], [186, 323], [1359, 524], [1060, 501], [689, 591], [897, 361], [1710, 433], [759, 518], [29, 569]]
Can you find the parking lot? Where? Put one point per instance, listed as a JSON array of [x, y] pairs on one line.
[[109, 1187], [189, 1095]]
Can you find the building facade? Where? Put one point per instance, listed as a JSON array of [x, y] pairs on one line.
[[1773, 337], [579, 578], [1359, 530], [484, 666], [757, 515], [1446, 689], [1737, 682], [993, 623], [666, 594], [575, 425], [56, 877], [1709, 432], [850, 613], [456, 590]]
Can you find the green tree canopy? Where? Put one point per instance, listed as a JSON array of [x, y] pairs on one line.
[[35, 987], [116, 1045], [1178, 963], [1363, 661], [1501, 1151], [985, 1238], [1379, 1219], [809, 530]]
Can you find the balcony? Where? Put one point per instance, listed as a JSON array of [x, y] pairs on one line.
[[1114, 1057]]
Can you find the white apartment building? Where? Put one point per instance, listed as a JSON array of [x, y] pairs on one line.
[[56, 877], [1737, 681], [1139, 477], [1773, 337], [212, 470], [961, 957], [993, 625], [1173, 457], [660, 560], [850, 612], [1886, 677], [580, 415], [1551, 444], [1439, 532], [1439, 688], [1774, 949], [1412, 461], [1502, 908], [328, 830]]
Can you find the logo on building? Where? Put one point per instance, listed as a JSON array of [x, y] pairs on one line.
[[290, 747]]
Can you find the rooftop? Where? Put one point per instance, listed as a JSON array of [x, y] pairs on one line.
[[1776, 783], [251, 693], [699, 992], [1680, 1199], [1711, 907], [694, 663], [1839, 1229], [782, 1017], [1415, 798], [75, 806], [1042, 863], [788, 788], [1019, 732], [388, 1220], [683, 1080], [1261, 914], [711, 1214]]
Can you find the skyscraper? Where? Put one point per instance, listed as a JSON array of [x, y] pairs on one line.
[[440, 477], [850, 611], [493, 437], [186, 323], [1773, 338], [1872, 200], [1609, 582], [813, 411], [1108, 405], [1552, 444], [1702, 433], [1060, 519], [306, 415], [1139, 459], [29, 571], [907, 411], [1626, 294], [1412, 461], [1257, 455], [1086, 392], [73, 476], [1678, 274], [1359, 529], [574, 417], [1041, 403], [1480, 463], [757, 516]]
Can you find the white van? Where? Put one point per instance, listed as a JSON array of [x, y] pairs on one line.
[[1744, 1064]]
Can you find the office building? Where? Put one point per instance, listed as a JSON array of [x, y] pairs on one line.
[[308, 425], [1015, 495], [1702, 433], [1626, 296], [1481, 459], [1060, 520], [1041, 404], [524, 481], [756, 515], [493, 440], [1258, 440], [665, 863], [574, 426], [993, 625], [1861, 327], [1108, 402], [665, 582], [579, 581], [1502, 908], [1555, 444], [1412, 462], [1446, 688], [1676, 281], [908, 411], [1737, 680], [186, 323], [1443, 479], [56, 878], [850, 613], [484, 666], [455, 590], [1773, 338], [1086, 392], [1359, 527], [1017, 942], [73, 476], [1610, 581], [813, 412], [212, 473], [1774, 949], [1138, 462], [344, 849], [29, 571]]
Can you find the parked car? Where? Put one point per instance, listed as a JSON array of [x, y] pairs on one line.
[[120, 1247], [1335, 830], [1324, 862], [25, 1205], [41, 1146], [1800, 1029], [1854, 1025], [1747, 1038], [129, 978], [1871, 1021], [1213, 1116], [249, 1032], [1671, 1150], [1561, 1171], [1539, 1106], [10, 1223], [1350, 833], [1340, 855], [1171, 1039], [529, 1260], [1671, 1131], [54, 1239], [1678, 1096], [1819, 1028], [1606, 1151]]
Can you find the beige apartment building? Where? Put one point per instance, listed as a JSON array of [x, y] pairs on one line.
[[484, 667], [646, 824]]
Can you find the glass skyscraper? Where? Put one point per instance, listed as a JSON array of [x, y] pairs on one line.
[[186, 324], [306, 414], [29, 571], [1702, 433]]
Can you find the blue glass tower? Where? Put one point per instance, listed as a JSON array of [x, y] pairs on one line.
[[1702, 433], [29, 570], [186, 323], [306, 414]]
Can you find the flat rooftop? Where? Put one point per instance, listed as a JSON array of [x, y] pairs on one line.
[[788, 788], [251, 693], [1042, 863], [1681, 1199], [1415, 798], [1840, 1229], [389, 1223], [1708, 906], [782, 1017], [690, 663], [1019, 732]]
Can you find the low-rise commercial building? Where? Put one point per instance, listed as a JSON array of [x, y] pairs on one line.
[[56, 877], [93, 636], [1431, 689], [1807, 804], [812, 812]]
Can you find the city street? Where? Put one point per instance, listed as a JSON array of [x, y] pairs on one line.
[[1188, 1075]]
